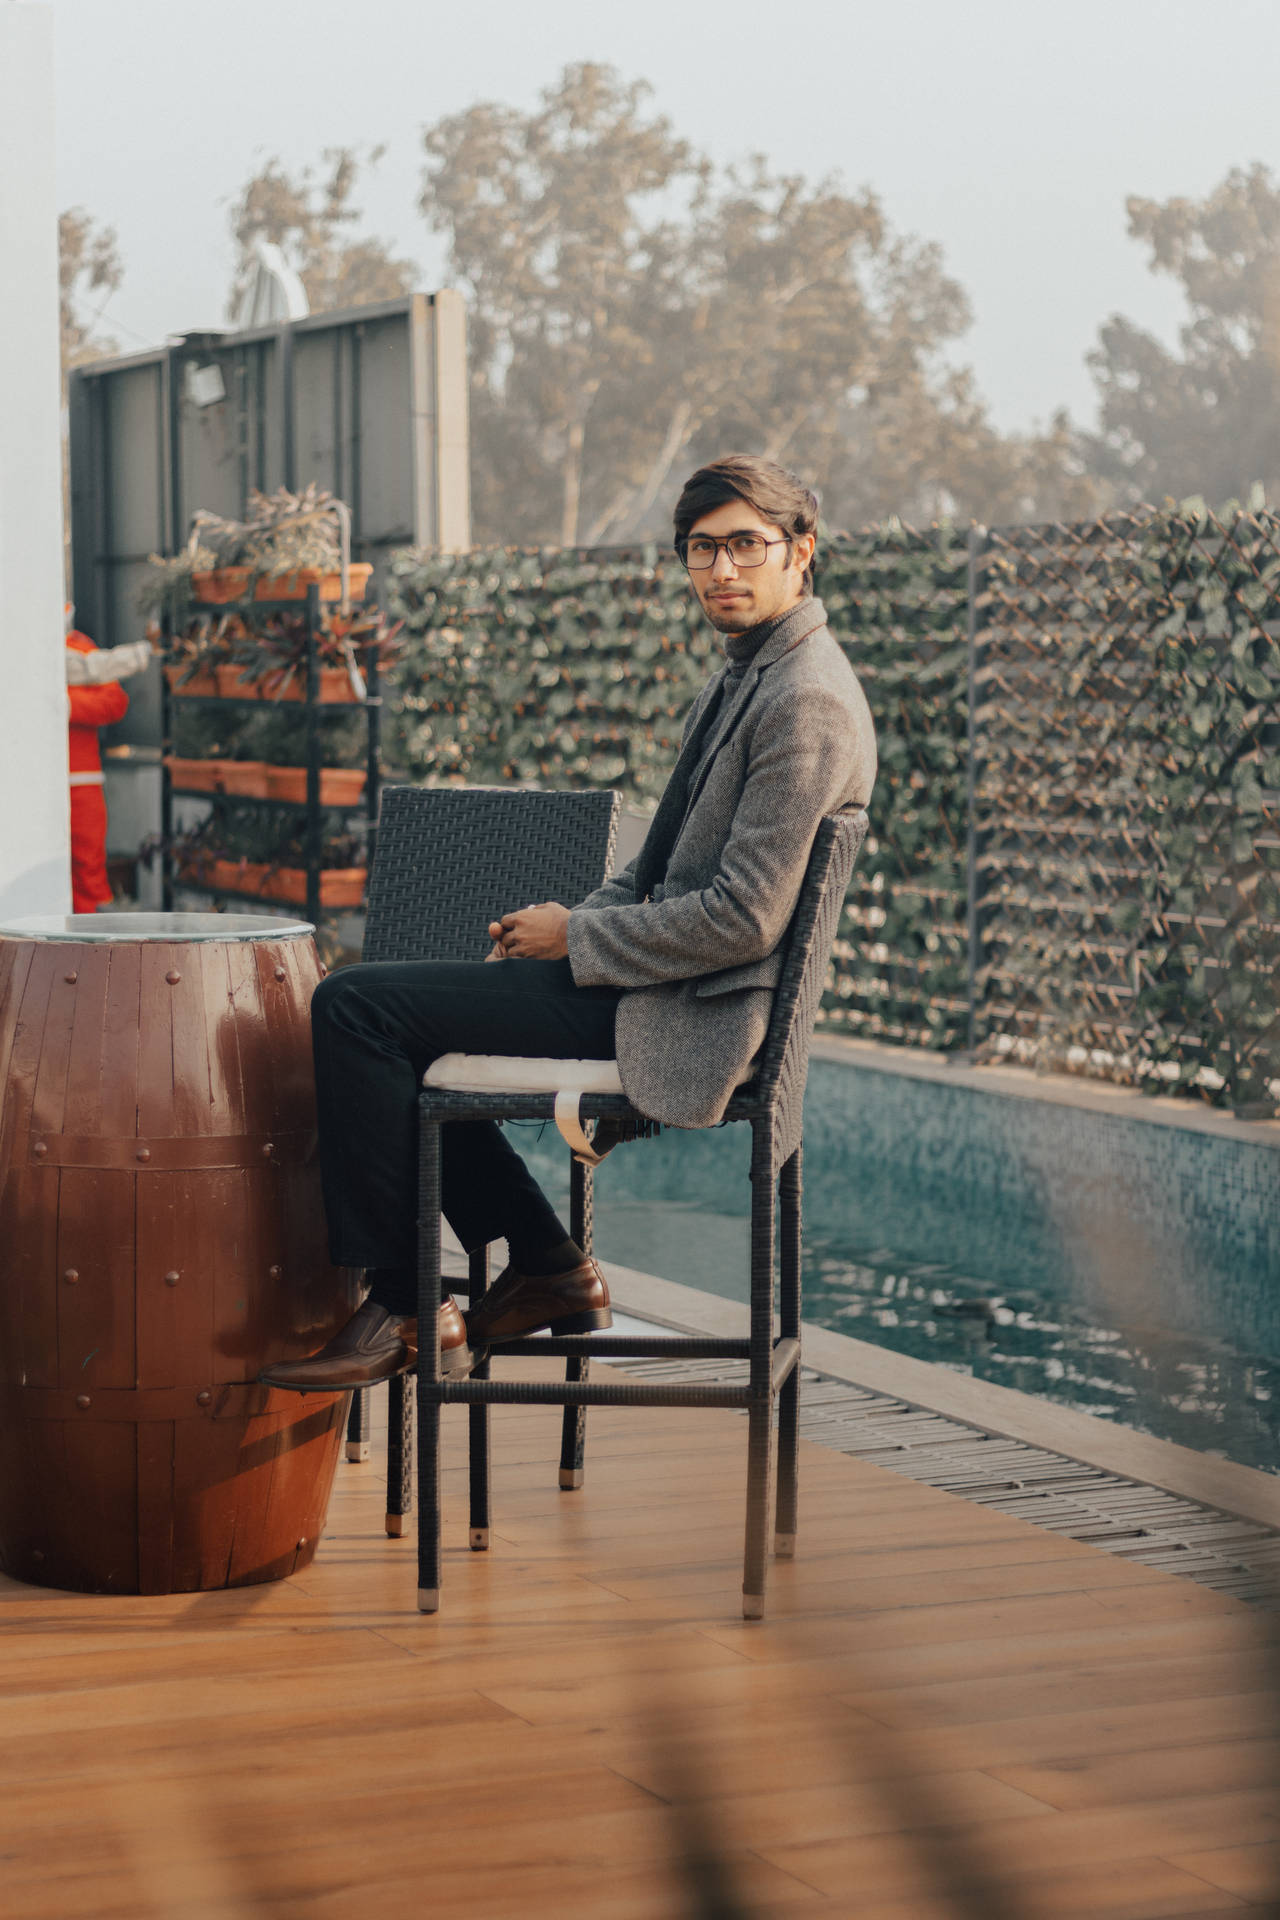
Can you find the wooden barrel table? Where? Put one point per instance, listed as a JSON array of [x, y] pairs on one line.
[[161, 1241]]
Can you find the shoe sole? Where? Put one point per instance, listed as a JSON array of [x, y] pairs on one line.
[[453, 1361], [590, 1320]]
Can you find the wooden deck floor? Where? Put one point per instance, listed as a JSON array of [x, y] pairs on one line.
[[939, 1693]]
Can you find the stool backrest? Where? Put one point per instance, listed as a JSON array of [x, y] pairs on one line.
[[784, 1058], [450, 859]]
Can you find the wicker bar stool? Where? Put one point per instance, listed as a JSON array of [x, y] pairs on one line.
[[772, 1103], [446, 860]]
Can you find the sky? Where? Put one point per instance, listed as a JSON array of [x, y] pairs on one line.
[[1009, 132]]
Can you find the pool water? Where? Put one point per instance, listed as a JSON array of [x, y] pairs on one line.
[[1124, 1268]]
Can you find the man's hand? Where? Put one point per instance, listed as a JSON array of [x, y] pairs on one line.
[[534, 933]]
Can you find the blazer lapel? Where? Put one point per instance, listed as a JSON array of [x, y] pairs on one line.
[[727, 719]]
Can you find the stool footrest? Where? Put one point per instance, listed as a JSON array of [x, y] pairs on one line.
[[628, 1346], [582, 1393]]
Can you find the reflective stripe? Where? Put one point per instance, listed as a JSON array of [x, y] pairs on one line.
[[87, 779]]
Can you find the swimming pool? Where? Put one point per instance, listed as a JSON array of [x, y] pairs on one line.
[[1125, 1268]]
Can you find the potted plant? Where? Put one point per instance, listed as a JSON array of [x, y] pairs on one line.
[[287, 543]]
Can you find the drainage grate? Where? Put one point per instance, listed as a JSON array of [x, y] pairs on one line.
[[1082, 1503]]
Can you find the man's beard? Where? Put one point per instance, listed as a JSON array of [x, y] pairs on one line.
[[731, 619]]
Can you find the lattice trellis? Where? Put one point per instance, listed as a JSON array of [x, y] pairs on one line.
[[898, 600], [1127, 794]]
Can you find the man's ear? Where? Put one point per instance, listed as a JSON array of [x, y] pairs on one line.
[[803, 547]]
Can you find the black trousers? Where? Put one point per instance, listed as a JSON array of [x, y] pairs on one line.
[[375, 1030]]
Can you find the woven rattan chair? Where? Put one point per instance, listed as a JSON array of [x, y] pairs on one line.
[[446, 861], [771, 1102]]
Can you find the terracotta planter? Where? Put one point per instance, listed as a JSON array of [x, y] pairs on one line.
[[339, 786], [333, 686], [195, 776], [202, 683], [339, 886], [233, 686], [220, 585], [293, 586], [247, 778]]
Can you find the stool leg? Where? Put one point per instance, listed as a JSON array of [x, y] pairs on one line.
[[428, 1365], [399, 1452], [358, 1426], [478, 1419], [573, 1430], [784, 1538], [760, 1417]]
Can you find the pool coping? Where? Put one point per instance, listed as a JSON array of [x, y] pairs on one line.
[[1243, 1492], [1053, 1089]]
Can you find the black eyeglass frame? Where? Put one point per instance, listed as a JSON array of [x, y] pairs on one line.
[[682, 550]]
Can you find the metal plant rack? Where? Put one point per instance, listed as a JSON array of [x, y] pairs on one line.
[[313, 709]]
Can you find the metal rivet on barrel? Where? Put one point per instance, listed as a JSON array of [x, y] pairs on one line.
[[83, 1401], [203, 1397], [171, 1279], [71, 1276], [143, 1153], [301, 1544], [71, 978], [268, 1150], [273, 1273], [279, 973], [173, 976], [39, 1150]]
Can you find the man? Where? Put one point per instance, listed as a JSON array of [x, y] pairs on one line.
[[670, 965]]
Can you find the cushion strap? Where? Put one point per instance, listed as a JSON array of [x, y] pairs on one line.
[[569, 1121]]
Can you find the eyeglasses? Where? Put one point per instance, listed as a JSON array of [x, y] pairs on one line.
[[744, 549]]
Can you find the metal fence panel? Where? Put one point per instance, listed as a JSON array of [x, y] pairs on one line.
[[366, 402], [1127, 783]]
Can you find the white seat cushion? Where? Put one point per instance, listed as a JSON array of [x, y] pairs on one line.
[[509, 1073]]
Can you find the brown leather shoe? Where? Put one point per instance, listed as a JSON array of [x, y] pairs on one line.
[[372, 1346], [516, 1303]]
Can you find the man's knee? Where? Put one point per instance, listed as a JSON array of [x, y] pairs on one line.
[[334, 997]]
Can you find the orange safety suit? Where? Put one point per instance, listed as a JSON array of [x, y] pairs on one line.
[[91, 708]]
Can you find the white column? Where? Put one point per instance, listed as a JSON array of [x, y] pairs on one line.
[[34, 808]]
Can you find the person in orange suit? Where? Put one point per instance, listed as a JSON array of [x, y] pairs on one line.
[[95, 701], [91, 707]]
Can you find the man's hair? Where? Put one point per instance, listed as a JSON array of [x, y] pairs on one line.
[[776, 495]]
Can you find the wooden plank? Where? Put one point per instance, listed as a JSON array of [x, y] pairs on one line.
[[193, 1111], [155, 1444], [51, 987], [121, 1031], [178, 1342], [29, 1288], [96, 1328]]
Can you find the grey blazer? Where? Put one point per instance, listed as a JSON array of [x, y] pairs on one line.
[[698, 961]]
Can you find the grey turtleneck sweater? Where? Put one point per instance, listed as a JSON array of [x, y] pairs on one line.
[[740, 649]]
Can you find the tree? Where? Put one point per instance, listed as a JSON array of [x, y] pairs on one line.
[[1206, 418], [634, 310], [89, 265], [310, 217]]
